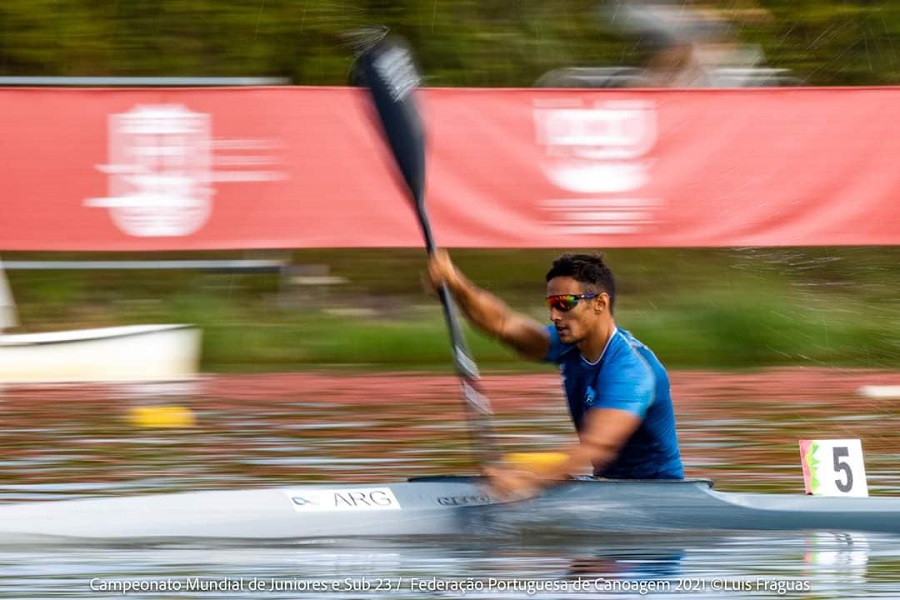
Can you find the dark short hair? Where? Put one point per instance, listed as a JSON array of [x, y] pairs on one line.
[[588, 269]]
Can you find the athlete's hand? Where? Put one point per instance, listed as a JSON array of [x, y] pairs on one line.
[[441, 271], [513, 484]]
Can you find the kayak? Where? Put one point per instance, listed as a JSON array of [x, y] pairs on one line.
[[433, 506]]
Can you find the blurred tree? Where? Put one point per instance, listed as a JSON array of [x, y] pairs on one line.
[[459, 42], [833, 42]]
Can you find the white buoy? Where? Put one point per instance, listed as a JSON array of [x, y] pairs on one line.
[[880, 391]]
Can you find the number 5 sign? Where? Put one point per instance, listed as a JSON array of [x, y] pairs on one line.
[[833, 467]]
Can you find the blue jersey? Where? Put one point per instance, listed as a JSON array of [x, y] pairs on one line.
[[627, 376]]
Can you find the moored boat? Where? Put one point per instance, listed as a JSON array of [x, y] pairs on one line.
[[132, 353]]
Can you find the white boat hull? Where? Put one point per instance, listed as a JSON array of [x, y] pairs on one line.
[[259, 514], [435, 506], [133, 353]]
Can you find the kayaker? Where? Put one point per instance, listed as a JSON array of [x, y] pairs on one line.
[[617, 390]]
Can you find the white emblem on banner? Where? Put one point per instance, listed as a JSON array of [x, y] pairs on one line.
[[162, 164], [599, 154]]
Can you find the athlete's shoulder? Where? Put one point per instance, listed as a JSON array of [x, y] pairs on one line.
[[626, 381], [624, 346], [629, 339]]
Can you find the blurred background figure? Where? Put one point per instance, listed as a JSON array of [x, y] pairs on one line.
[[677, 45], [668, 60], [685, 45]]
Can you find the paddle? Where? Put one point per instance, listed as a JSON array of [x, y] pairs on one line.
[[387, 70]]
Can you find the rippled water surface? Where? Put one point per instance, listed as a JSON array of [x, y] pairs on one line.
[[740, 429]]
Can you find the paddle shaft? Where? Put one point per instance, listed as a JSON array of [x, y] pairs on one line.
[[478, 408], [389, 73]]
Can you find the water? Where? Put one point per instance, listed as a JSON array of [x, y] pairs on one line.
[[739, 428], [818, 566]]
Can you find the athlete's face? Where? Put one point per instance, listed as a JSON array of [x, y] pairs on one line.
[[574, 310]]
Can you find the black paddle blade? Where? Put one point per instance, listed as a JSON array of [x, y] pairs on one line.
[[388, 70]]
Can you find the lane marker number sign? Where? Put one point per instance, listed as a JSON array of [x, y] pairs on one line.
[[833, 468]]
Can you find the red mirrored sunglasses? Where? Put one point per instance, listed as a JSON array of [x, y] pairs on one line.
[[566, 302]]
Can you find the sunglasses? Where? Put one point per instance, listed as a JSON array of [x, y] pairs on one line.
[[566, 302]]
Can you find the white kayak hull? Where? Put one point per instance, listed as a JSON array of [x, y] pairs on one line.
[[435, 506], [133, 353]]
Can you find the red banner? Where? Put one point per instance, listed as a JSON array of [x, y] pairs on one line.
[[191, 169]]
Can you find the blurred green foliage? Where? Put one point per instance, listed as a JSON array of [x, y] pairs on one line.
[[696, 308], [733, 307], [490, 43]]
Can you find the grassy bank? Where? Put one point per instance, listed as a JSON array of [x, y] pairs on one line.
[[696, 308]]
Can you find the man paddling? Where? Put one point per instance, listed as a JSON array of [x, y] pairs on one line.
[[617, 390]]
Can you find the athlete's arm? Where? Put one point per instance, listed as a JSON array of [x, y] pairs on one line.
[[488, 312], [616, 411], [609, 423], [605, 433]]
